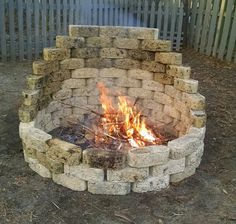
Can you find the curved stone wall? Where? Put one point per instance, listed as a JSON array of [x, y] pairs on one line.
[[131, 62]]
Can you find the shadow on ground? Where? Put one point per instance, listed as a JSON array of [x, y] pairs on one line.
[[207, 197]]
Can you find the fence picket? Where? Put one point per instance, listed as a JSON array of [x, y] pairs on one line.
[[29, 29], [71, 12], [139, 13], [100, 12], [64, 16], [232, 39], [44, 20], [226, 28], [51, 22], [95, 12], [131, 12], [121, 13], [159, 16], [106, 14], [3, 45], [36, 28], [145, 13], [116, 13], [12, 29], [21, 29], [205, 27], [126, 16], [173, 20], [212, 27], [152, 14], [111, 13], [180, 21], [166, 16], [58, 17]]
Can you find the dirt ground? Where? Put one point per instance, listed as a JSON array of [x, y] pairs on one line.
[[207, 197]]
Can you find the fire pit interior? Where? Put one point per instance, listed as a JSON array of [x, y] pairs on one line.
[[112, 110]]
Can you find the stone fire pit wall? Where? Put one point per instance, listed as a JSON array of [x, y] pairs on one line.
[[131, 62]]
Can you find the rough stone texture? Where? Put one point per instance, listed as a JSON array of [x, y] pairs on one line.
[[86, 52], [163, 98], [198, 118], [52, 54], [99, 42], [183, 146], [72, 63], [31, 97], [169, 58], [156, 45], [64, 152], [188, 171], [140, 74], [62, 94], [194, 159], [98, 63], [194, 101], [73, 83], [84, 172], [83, 31], [128, 174], [40, 169], [181, 72], [126, 63], [197, 132], [69, 42], [41, 67], [139, 92], [143, 33], [152, 85], [112, 188], [141, 55], [71, 182], [113, 53], [151, 184], [163, 78], [148, 156], [126, 43], [153, 66], [189, 86], [112, 73], [85, 73], [113, 31], [173, 92], [169, 110], [128, 82]]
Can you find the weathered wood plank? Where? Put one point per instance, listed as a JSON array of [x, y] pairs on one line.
[[111, 12], [166, 16], [76, 12], [11, 7], [44, 22], [139, 13], [173, 20], [3, 44], [100, 12], [58, 17], [121, 13], [95, 12], [36, 28], [212, 27], [106, 14], [145, 14], [20, 28], [159, 16], [51, 22], [232, 39], [226, 30], [193, 22], [71, 12], [131, 12], [65, 7], [126, 15], [179, 29], [29, 29], [152, 15]]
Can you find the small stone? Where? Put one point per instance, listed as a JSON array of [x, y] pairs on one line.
[[113, 53], [110, 188], [148, 156], [140, 74], [84, 172], [169, 58], [59, 76], [52, 54], [40, 169], [72, 63], [156, 45], [186, 85], [126, 63], [181, 72], [153, 66], [188, 171], [183, 146], [151, 184], [128, 174], [74, 183], [83, 31], [126, 43]]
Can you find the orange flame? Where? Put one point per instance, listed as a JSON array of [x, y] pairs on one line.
[[125, 121]]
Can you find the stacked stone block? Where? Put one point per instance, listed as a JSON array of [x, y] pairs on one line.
[[132, 62]]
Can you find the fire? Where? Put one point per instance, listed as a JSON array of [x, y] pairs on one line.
[[125, 122]]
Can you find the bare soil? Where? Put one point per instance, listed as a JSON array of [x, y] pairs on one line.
[[207, 197]]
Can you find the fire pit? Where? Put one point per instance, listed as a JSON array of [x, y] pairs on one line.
[[112, 110]]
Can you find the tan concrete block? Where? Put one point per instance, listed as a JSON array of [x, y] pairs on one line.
[[98, 63], [152, 85], [112, 73], [83, 31], [141, 93], [140, 74], [31, 97], [126, 43], [159, 116], [163, 78], [182, 72], [186, 85], [85, 73], [42, 67], [169, 58], [69, 42], [153, 66], [151, 104], [62, 94], [173, 92], [53, 54], [163, 98], [73, 83], [194, 101], [72, 63], [99, 42], [126, 64], [198, 118], [128, 82], [113, 53], [141, 55], [40, 169], [143, 33], [156, 45], [113, 31], [188, 171], [87, 52], [171, 111]]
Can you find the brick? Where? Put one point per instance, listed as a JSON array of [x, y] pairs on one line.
[[94, 100], [70, 182], [173, 92], [52, 54], [77, 101], [198, 118], [52, 87], [139, 92], [189, 86], [151, 184], [99, 42], [140, 74], [88, 52], [151, 104], [194, 101], [72, 63], [92, 83], [24, 129], [181, 72], [54, 106], [64, 152], [107, 159], [148, 156], [69, 42], [163, 98], [84, 172], [35, 82], [126, 43], [188, 171], [126, 64], [109, 188], [152, 85], [73, 83], [128, 174], [171, 111], [181, 106], [113, 53], [113, 31], [197, 132], [128, 82], [153, 66], [60, 75], [85, 73], [83, 31], [156, 45], [42, 67], [163, 78], [194, 159], [183, 146], [118, 91], [160, 116], [141, 55], [36, 139], [143, 33], [40, 169], [112, 73], [169, 58], [85, 91], [62, 94], [99, 63], [31, 97]]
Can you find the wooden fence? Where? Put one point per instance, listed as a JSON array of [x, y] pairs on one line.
[[212, 28], [27, 26]]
